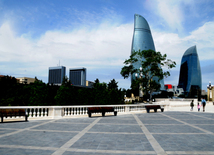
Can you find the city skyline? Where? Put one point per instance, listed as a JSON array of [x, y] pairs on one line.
[[98, 35]]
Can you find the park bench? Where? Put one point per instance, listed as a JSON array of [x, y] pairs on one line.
[[102, 110], [155, 107], [12, 112]]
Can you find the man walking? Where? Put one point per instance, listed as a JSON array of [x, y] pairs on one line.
[[203, 102]]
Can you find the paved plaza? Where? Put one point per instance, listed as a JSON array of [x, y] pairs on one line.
[[134, 133]]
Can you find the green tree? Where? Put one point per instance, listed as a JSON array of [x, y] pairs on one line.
[[151, 68], [8, 92], [66, 81], [113, 85], [64, 95], [38, 93]]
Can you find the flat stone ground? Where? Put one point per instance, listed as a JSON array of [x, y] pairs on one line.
[[134, 133]]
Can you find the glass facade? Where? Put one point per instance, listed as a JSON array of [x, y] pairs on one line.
[[190, 71], [142, 40], [77, 76], [56, 75]]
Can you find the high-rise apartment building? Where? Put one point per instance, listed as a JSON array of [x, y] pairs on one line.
[[77, 76], [56, 74], [142, 40], [190, 71]]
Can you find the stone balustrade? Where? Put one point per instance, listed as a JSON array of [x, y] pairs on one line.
[[66, 111]]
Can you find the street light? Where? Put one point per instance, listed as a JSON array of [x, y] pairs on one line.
[[210, 88]]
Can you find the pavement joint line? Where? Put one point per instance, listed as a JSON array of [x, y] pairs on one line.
[[69, 123], [178, 133], [114, 124], [208, 132], [122, 133], [110, 151], [156, 146], [203, 117], [68, 144], [190, 152], [20, 130], [9, 129], [54, 130]]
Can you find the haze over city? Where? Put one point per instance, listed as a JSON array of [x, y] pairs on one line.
[[97, 35]]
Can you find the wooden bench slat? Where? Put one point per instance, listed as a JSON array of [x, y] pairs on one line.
[[12, 112], [155, 107], [102, 110]]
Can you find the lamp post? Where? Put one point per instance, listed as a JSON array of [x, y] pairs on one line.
[[140, 85], [210, 88]]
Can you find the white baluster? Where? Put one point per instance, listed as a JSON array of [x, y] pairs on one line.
[[37, 114], [72, 113], [66, 112], [69, 111], [34, 112], [46, 112], [81, 111], [30, 113], [26, 112], [42, 112], [75, 110]]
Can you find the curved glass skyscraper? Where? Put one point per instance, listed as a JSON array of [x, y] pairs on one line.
[[190, 71], [142, 40]]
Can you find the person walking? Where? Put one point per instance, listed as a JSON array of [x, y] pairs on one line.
[[199, 106], [203, 103], [192, 105]]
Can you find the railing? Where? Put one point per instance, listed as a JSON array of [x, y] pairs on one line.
[[65, 111]]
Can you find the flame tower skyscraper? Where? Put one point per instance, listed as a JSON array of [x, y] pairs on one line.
[[142, 40], [190, 72]]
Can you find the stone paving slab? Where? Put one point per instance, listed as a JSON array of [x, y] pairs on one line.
[[62, 126], [19, 125], [37, 138], [203, 142], [116, 128], [4, 131], [136, 133], [201, 121], [18, 151], [113, 142], [118, 121], [172, 129], [156, 121], [77, 120], [207, 127]]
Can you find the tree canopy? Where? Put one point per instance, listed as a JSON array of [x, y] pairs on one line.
[[150, 72]]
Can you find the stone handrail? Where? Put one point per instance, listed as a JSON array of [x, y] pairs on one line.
[[65, 111]]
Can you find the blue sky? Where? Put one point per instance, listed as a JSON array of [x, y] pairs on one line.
[[97, 35]]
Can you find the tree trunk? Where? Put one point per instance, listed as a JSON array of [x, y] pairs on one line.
[[150, 97]]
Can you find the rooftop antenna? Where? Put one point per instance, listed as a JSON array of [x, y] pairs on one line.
[[59, 62]]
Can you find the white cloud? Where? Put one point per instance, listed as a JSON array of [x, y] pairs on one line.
[[106, 46], [94, 49], [170, 11], [175, 46]]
